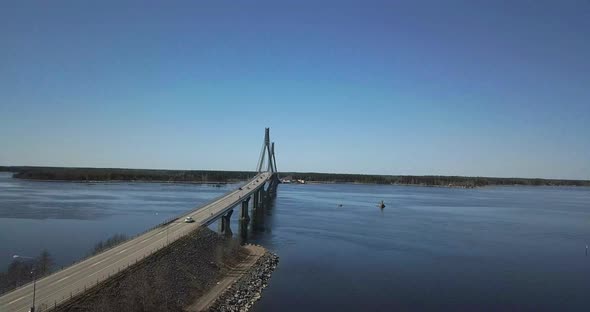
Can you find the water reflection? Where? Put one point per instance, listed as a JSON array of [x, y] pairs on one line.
[[69, 218]]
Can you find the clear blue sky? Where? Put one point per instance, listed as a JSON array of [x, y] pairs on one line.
[[488, 88]]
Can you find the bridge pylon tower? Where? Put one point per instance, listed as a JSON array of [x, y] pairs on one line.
[[268, 150]]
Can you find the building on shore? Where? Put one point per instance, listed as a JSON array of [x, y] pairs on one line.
[[290, 179]]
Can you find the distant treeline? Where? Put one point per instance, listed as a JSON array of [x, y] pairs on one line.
[[109, 174], [456, 181], [204, 176]]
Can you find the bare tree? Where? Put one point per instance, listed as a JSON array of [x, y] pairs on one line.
[[44, 263]]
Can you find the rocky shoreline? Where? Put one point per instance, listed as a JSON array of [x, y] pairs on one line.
[[244, 293]]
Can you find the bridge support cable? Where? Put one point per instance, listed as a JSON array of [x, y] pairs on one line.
[[261, 189]]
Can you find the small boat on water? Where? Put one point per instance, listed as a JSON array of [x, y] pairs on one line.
[[381, 205]]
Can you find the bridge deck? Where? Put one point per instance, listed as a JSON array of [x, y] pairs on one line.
[[60, 285]]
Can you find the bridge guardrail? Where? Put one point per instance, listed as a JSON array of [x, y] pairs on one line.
[[45, 306]]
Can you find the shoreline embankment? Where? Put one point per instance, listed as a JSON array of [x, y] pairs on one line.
[[242, 287], [177, 277]]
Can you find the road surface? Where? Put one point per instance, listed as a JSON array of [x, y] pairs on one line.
[[70, 281]]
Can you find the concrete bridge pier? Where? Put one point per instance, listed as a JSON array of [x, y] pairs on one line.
[[244, 215], [273, 185], [255, 197], [262, 196], [258, 211], [259, 196], [224, 223], [243, 229], [258, 219]]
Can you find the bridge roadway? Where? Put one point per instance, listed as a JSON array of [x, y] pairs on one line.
[[70, 281]]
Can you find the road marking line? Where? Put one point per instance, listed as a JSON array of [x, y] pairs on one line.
[[61, 279], [211, 206], [13, 301], [99, 262], [122, 251]]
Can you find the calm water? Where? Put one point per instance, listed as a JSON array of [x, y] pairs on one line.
[[69, 218], [505, 248]]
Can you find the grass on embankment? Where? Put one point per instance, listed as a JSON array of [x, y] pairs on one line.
[[169, 280]]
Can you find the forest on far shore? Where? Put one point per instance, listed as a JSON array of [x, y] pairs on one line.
[[115, 174], [210, 176], [452, 181]]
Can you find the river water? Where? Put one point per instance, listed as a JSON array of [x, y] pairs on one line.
[[430, 249]]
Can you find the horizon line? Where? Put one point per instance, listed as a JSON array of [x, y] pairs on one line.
[[301, 172]]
